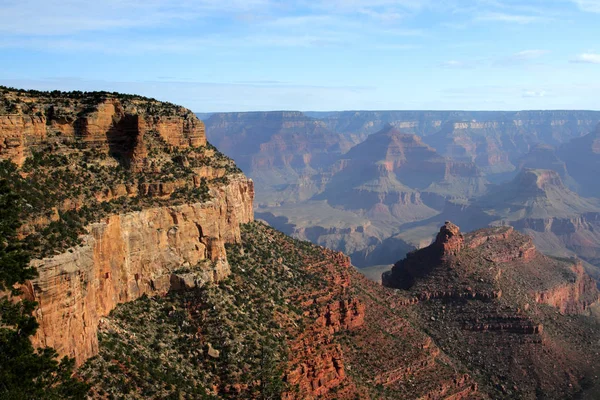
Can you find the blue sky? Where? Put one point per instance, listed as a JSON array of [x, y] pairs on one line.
[[241, 55]]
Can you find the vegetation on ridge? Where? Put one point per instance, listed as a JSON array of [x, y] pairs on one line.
[[248, 319], [25, 373]]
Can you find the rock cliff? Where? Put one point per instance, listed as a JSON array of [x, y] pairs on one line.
[[469, 329], [109, 122], [290, 309], [582, 156], [130, 255], [126, 199]]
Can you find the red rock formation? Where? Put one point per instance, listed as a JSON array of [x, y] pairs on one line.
[[320, 366], [450, 240], [478, 299], [317, 362], [129, 255], [113, 125], [572, 297]]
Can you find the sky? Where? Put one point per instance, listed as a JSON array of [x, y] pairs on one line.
[[319, 55]]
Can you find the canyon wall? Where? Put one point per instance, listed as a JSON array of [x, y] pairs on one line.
[[127, 256], [157, 205], [112, 125]]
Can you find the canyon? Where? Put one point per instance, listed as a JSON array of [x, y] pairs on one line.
[[155, 278], [395, 176]]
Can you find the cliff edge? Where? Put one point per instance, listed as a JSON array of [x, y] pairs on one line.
[[124, 197]]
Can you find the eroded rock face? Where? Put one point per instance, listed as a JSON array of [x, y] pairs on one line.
[[450, 240], [179, 203], [15, 131], [483, 297], [127, 256], [113, 125], [573, 297]]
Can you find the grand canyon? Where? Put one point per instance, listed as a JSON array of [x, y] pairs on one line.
[[156, 273], [377, 185], [299, 200]]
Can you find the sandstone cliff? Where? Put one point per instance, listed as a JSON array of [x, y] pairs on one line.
[[129, 255], [126, 199], [106, 121]]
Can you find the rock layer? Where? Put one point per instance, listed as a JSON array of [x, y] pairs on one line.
[[484, 296], [159, 204], [127, 256], [114, 125]]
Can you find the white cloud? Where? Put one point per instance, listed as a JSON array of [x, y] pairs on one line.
[[587, 58], [509, 18], [530, 54], [39, 17], [534, 93], [588, 5], [174, 45], [396, 46], [523, 57], [456, 64]]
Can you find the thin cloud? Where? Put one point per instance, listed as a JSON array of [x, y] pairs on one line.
[[522, 58], [174, 45], [394, 46], [587, 58], [76, 16], [534, 93], [508, 18], [457, 64], [588, 5], [530, 54]]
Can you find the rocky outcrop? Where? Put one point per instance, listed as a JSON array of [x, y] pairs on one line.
[[448, 243], [114, 125], [15, 131], [127, 256], [157, 205], [480, 297], [317, 363], [450, 240], [322, 368], [573, 297], [443, 271]]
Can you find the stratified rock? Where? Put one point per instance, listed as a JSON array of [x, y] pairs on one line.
[[107, 122], [488, 297], [174, 223]]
